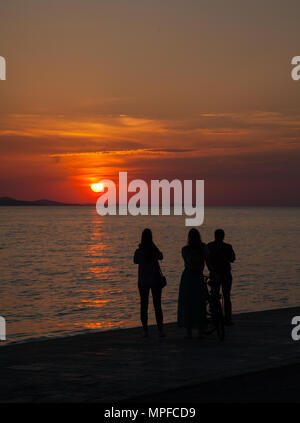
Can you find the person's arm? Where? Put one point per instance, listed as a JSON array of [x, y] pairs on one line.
[[232, 255], [136, 258], [158, 254], [207, 258]]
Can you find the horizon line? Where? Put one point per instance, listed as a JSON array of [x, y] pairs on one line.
[[62, 203]]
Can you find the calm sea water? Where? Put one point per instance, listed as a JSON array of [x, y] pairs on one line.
[[66, 270]]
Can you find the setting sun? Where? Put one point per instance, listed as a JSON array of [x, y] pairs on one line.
[[97, 187]]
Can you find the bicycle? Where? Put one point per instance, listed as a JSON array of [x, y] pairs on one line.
[[215, 310]]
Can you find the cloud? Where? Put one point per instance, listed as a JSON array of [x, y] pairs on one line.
[[232, 148]]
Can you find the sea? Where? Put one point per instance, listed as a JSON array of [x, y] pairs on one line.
[[66, 270]]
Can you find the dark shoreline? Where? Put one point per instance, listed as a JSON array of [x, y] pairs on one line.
[[275, 385], [84, 333], [120, 365], [12, 202]]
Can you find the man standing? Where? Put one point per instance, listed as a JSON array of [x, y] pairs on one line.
[[221, 255]]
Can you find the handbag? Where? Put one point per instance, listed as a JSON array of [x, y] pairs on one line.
[[162, 282]]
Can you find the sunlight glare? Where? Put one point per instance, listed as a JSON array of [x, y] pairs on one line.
[[97, 187]]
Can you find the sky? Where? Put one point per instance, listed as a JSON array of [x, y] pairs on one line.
[[160, 89]]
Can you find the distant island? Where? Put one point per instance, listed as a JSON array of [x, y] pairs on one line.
[[8, 201]]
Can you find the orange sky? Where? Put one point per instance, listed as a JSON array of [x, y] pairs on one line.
[[188, 90]]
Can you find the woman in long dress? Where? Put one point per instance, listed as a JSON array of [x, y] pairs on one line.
[[192, 290]]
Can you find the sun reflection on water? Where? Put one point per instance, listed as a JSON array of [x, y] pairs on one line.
[[64, 273]]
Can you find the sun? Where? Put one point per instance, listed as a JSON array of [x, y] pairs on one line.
[[97, 187]]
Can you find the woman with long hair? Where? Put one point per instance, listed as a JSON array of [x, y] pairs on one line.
[[192, 290], [147, 256]]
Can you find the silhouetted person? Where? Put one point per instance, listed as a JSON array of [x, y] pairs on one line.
[[221, 255], [192, 290], [147, 256]]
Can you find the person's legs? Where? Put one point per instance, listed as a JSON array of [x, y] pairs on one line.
[[156, 295], [215, 288], [144, 294], [226, 289]]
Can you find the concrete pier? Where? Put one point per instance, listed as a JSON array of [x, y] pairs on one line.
[[120, 365]]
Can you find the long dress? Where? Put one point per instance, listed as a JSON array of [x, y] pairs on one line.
[[192, 291]]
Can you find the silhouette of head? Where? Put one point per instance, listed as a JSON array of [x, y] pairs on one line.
[[219, 235], [146, 237], [194, 238], [147, 244]]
